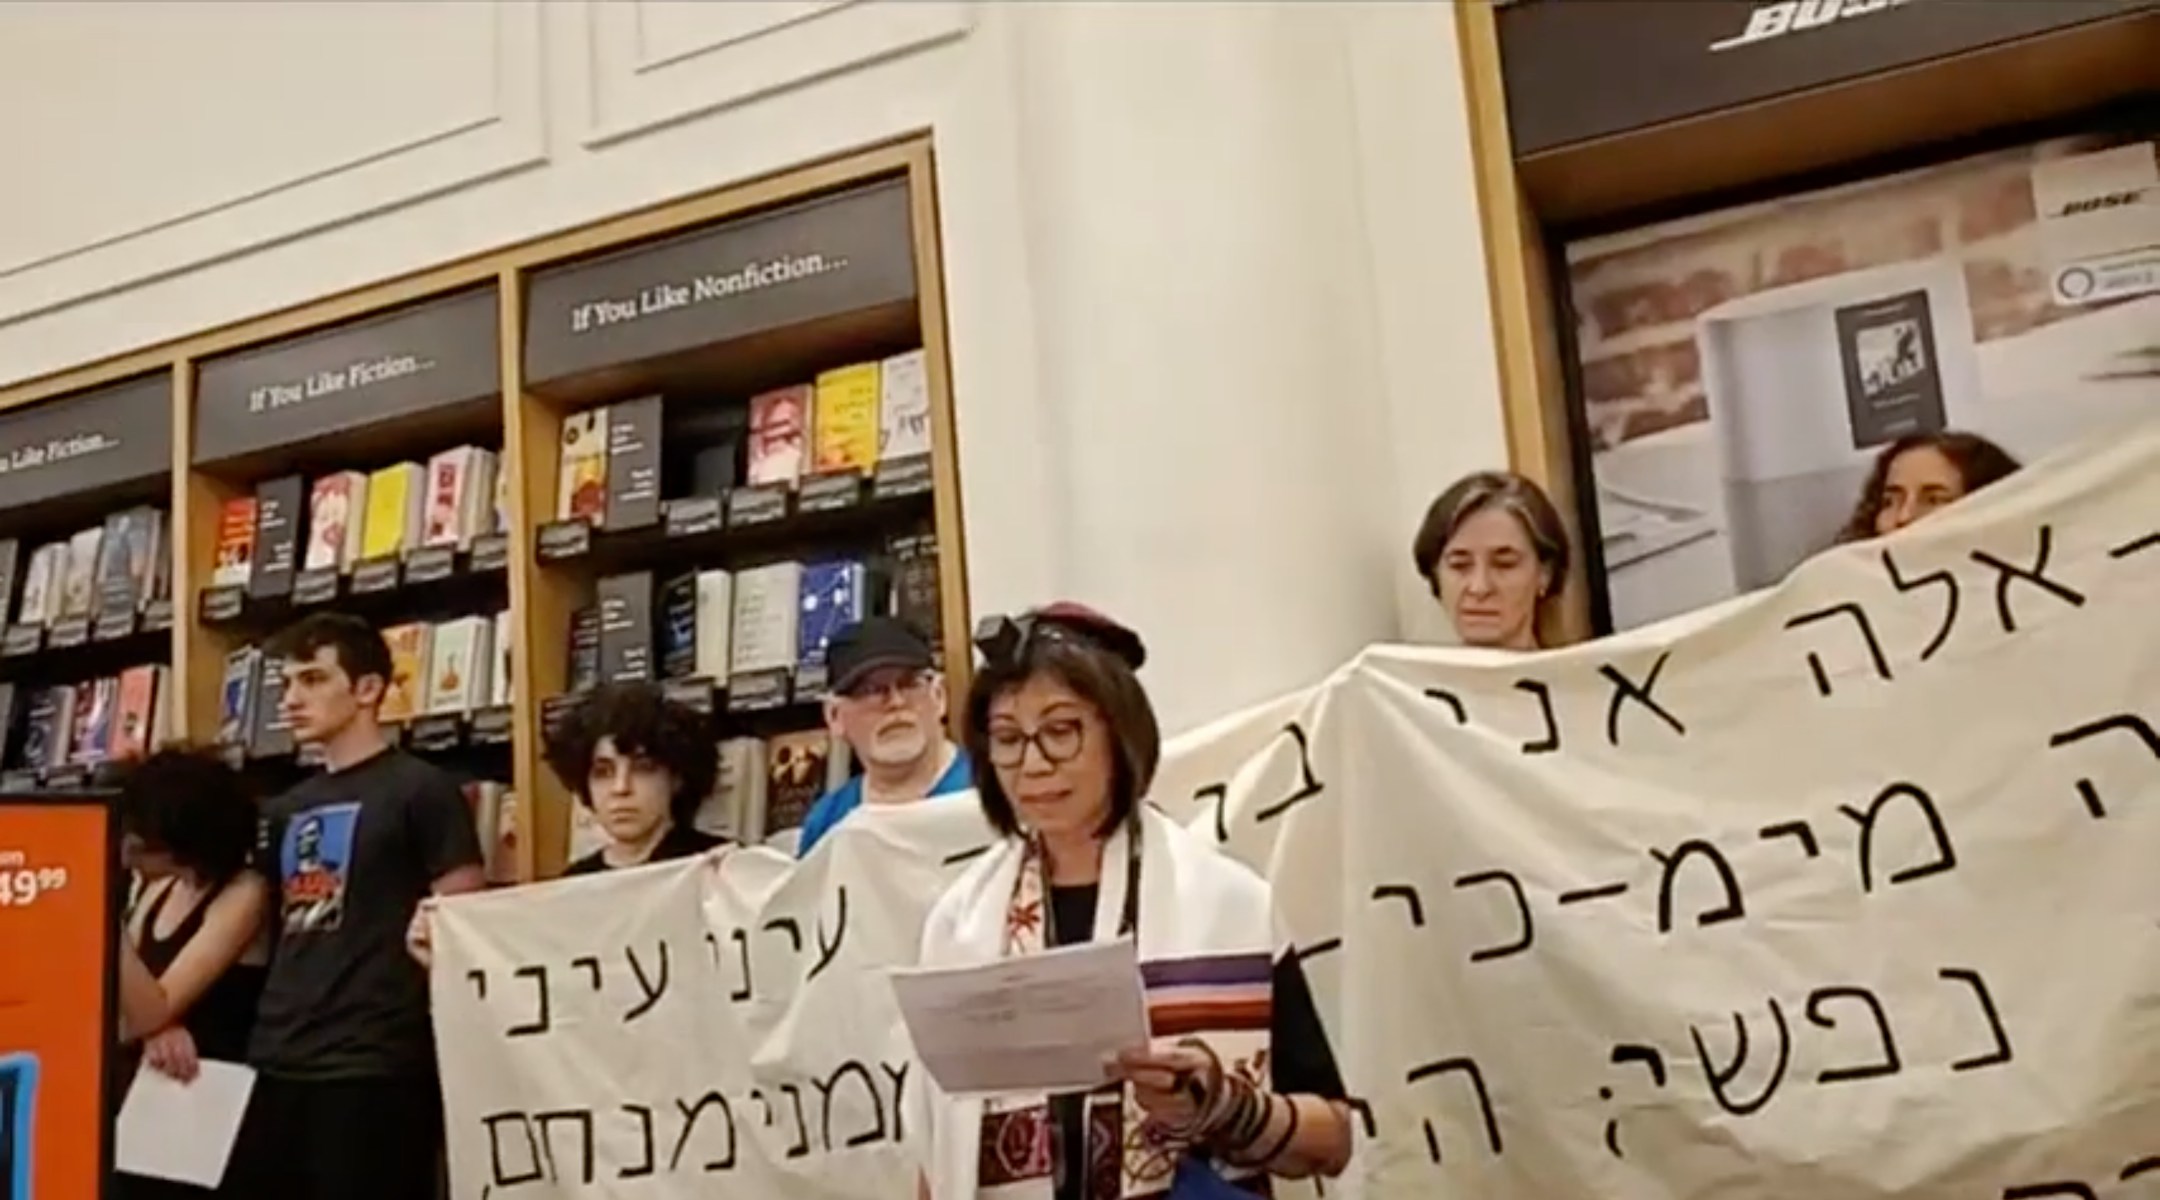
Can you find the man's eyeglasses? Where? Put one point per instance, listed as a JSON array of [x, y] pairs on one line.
[[1057, 741]]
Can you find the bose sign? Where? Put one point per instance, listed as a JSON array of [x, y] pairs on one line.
[[1771, 21]]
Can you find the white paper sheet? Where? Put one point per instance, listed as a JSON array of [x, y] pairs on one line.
[[182, 1131], [1049, 1022]]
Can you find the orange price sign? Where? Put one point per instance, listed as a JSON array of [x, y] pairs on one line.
[[57, 928]]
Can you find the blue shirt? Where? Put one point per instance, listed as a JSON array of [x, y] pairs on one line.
[[836, 804]]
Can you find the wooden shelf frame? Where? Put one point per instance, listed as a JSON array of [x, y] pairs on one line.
[[540, 600]]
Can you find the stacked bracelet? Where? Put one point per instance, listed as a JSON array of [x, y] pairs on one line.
[[1241, 1151], [1203, 1088], [1247, 1120]]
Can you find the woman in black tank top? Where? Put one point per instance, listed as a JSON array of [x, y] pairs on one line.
[[188, 826], [224, 1014]]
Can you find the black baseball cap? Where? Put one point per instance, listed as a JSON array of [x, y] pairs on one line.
[[874, 644]]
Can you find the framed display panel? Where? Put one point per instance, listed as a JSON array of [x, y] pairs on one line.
[[60, 903], [409, 453], [85, 579], [1732, 103]]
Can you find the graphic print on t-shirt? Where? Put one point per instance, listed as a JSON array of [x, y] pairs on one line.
[[314, 865], [18, 1122]]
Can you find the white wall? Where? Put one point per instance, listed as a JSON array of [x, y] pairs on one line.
[[1217, 302]]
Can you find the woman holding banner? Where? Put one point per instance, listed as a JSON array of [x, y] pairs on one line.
[[1240, 1082], [1919, 473], [1495, 552]]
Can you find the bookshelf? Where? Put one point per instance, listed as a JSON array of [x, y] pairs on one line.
[[762, 371], [85, 581]]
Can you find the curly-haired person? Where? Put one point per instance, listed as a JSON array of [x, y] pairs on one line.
[[643, 764]]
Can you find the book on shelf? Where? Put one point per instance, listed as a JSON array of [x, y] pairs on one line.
[[499, 516], [396, 499], [78, 588], [903, 406], [633, 463], [148, 540], [779, 436], [337, 521], [913, 561], [136, 719], [737, 802], [92, 732], [236, 543], [10, 554], [279, 524], [763, 626], [832, 597], [238, 692], [460, 497], [406, 695], [697, 610], [626, 627], [585, 648], [844, 418], [40, 604], [799, 769], [460, 660], [582, 471], [491, 804], [502, 642], [47, 723], [271, 733]]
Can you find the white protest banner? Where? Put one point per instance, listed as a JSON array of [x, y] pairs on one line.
[[1842, 891]]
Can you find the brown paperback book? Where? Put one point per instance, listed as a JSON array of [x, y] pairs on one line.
[[795, 765]]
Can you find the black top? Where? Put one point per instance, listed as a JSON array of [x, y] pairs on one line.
[[351, 854], [681, 841], [222, 1017], [1300, 1061]]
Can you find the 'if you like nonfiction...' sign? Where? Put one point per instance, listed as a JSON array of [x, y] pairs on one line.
[[1840, 891]]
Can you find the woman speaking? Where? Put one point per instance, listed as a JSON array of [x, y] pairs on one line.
[[1239, 1083]]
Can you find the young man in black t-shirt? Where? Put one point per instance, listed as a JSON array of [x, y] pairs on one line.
[[346, 1103]]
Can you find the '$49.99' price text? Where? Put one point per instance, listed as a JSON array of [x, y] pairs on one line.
[[22, 885]]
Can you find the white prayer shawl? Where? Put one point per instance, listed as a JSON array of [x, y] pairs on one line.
[[1195, 903]]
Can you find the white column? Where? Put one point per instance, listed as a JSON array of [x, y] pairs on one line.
[[1208, 379]]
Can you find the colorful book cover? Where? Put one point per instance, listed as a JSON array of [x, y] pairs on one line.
[[135, 713], [832, 598], [336, 520], [391, 496], [796, 765], [779, 435], [844, 422], [581, 479], [409, 651], [236, 543]]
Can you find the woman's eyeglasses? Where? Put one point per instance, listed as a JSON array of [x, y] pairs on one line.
[[1057, 741]]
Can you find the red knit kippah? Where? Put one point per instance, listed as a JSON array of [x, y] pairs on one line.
[[1118, 639]]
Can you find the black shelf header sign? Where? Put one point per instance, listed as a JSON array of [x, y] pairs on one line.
[[436, 354], [1575, 72], [837, 254], [111, 437]]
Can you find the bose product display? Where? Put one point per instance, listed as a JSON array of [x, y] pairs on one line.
[[1807, 383]]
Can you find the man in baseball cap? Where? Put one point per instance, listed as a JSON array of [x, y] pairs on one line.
[[888, 703]]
